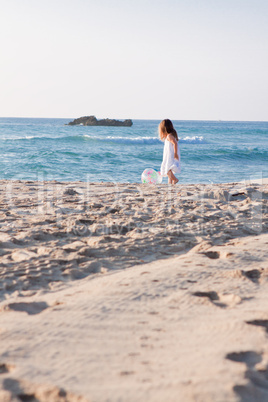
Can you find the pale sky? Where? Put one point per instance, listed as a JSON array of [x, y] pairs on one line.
[[138, 59]]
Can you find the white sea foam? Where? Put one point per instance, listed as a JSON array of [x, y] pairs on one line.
[[144, 140], [27, 137], [115, 139], [193, 140]]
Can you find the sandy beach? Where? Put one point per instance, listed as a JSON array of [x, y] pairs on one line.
[[131, 292]]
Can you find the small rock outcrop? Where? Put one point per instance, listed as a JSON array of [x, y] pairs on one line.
[[92, 121]]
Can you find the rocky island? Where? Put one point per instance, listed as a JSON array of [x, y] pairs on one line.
[[92, 121]]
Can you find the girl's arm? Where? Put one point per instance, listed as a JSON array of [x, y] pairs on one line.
[[175, 144]]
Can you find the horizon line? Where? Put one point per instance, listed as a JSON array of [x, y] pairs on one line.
[[151, 119]]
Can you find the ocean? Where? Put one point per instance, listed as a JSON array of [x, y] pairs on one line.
[[211, 151]]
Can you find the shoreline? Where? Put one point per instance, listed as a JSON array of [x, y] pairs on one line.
[[263, 180], [77, 259]]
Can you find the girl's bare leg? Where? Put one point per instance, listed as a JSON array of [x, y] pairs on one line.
[[169, 174], [171, 178]]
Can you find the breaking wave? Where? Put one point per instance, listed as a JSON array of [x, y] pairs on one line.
[[111, 139]]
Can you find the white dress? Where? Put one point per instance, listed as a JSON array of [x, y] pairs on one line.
[[169, 163]]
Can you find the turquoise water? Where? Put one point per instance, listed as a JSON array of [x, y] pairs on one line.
[[211, 151]]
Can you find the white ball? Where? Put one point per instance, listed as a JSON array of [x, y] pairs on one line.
[[150, 176]]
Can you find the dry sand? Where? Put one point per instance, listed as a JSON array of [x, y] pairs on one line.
[[127, 292]]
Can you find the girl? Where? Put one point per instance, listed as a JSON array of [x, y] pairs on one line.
[[171, 156]]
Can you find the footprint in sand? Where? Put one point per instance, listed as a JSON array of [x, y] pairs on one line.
[[212, 254], [6, 368], [256, 389], [259, 323], [27, 392], [220, 300], [29, 308], [250, 358], [253, 275]]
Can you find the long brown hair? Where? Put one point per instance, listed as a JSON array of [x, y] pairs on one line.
[[165, 128]]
